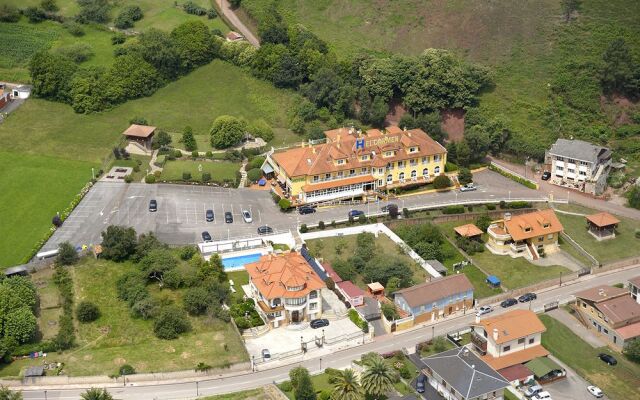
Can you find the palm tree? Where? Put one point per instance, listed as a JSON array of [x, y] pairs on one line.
[[346, 386], [7, 394], [378, 377], [96, 394]]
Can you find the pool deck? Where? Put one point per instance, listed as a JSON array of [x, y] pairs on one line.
[[262, 251]]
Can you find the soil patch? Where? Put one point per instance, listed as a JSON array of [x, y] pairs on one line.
[[452, 123]]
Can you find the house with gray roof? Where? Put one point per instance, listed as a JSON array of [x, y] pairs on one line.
[[459, 374], [579, 165]]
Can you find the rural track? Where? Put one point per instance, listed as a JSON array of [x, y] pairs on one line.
[[231, 18]]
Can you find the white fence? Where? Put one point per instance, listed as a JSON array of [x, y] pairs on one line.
[[238, 244]]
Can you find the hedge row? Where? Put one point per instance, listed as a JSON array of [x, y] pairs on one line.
[[522, 181]]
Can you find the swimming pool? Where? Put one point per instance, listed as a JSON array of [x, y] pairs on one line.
[[239, 261]]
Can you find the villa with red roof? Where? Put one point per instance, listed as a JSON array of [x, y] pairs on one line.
[[286, 289]]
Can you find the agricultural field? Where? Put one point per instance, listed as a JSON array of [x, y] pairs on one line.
[[545, 69], [116, 338]]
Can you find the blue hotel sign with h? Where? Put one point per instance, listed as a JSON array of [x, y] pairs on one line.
[[360, 144]]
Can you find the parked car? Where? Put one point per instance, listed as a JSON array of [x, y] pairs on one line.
[[306, 210], [508, 303], [546, 175], [355, 213], [542, 396], [263, 230], [533, 390], [206, 236], [228, 217], [319, 323], [609, 359], [469, 187], [484, 310], [153, 206], [420, 382], [595, 391], [527, 297], [265, 354], [209, 215], [386, 207]]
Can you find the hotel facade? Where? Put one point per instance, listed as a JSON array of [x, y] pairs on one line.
[[351, 164]]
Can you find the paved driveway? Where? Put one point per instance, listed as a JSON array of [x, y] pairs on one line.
[[180, 218], [571, 388]]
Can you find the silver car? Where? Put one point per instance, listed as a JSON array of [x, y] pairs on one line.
[[246, 216], [468, 187]]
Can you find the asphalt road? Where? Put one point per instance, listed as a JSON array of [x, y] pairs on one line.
[[341, 359], [180, 218]]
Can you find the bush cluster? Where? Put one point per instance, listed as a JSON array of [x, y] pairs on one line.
[[454, 209], [358, 321], [522, 181], [65, 339], [245, 316], [127, 17]]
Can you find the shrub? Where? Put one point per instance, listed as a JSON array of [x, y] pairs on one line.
[[406, 212], [303, 228], [67, 254], [321, 225], [465, 176], [212, 13], [192, 8], [186, 176], [519, 204], [172, 279], [74, 28], [128, 178], [525, 182], [171, 322], [34, 14], [450, 167], [206, 177], [503, 204], [286, 386], [209, 154], [177, 153], [491, 207], [455, 209], [196, 300], [9, 13], [126, 369], [637, 233], [226, 131], [87, 312], [441, 182], [262, 130], [150, 178], [254, 175], [483, 222], [284, 204], [118, 38], [127, 17], [78, 52]]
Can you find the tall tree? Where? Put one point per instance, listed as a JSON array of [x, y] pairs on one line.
[[158, 49], [346, 386], [194, 43], [51, 75], [8, 394], [620, 72], [378, 377], [302, 384], [118, 243]]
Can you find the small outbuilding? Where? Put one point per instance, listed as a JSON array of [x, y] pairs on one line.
[[141, 134], [353, 294], [20, 270], [493, 281], [234, 36], [469, 231], [375, 289], [34, 371], [545, 369], [517, 374], [602, 226]]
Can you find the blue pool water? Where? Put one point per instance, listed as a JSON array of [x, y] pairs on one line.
[[239, 261]]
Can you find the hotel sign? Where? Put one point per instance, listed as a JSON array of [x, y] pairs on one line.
[[362, 143]]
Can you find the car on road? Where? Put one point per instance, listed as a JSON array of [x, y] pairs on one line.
[[265, 354], [153, 206], [546, 175], [420, 383], [508, 303], [306, 210], [246, 216], [386, 207], [263, 230], [533, 390], [206, 236], [209, 215], [355, 213], [319, 323], [527, 297], [484, 310], [542, 396], [595, 391], [469, 187], [608, 358], [228, 217]]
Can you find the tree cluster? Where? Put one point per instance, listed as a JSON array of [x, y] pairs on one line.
[[17, 319], [127, 17], [621, 70], [426, 239], [138, 70]]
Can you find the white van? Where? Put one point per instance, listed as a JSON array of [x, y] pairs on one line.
[[542, 396]]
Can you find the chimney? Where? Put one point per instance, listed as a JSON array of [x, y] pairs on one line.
[[405, 128], [495, 334], [507, 216], [408, 133], [313, 150], [477, 319], [338, 137]]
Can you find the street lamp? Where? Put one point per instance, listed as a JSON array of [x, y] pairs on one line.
[[433, 331], [320, 364], [45, 395]]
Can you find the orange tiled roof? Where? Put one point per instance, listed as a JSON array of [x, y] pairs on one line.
[[602, 219], [534, 221], [516, 357], [468, 230], [512, 325], [139, 130], [629, 331], [273, 274], [338, 182], [320, 159]]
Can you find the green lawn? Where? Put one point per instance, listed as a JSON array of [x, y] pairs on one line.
[[239, 278], [620, 382], [326, 248], [624, 245], [34, 188], [320, 383], [513, 272], [253, 394], [219, 170], [135, 159], [116, 338]]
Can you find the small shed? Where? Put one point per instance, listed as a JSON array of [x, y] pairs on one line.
[[267, 170], [34, 371], [469, 231], [517, 374], [493, 281], [375, 289], [20, 270], [141, 134], [353, 294], [602, 225], [437, 265], [234, 36], [545, 369]]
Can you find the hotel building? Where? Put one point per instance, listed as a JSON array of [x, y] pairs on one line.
[[354, 165]]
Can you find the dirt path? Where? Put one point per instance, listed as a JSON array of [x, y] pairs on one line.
[[233, 19]]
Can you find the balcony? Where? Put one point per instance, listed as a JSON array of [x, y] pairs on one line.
[[295, 304], [518, 247], [479, 342]]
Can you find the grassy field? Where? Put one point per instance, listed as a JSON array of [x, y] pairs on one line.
[[239, 278], [116, 338], [219, 170], [253, 394], [49, 298], [513, 272], [624, 245], [618, 382], [326, 248], [34, 188]]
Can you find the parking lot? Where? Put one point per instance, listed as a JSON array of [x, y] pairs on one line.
[[180, 217]]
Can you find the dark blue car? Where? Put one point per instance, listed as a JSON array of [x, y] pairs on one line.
[[355, 213]]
